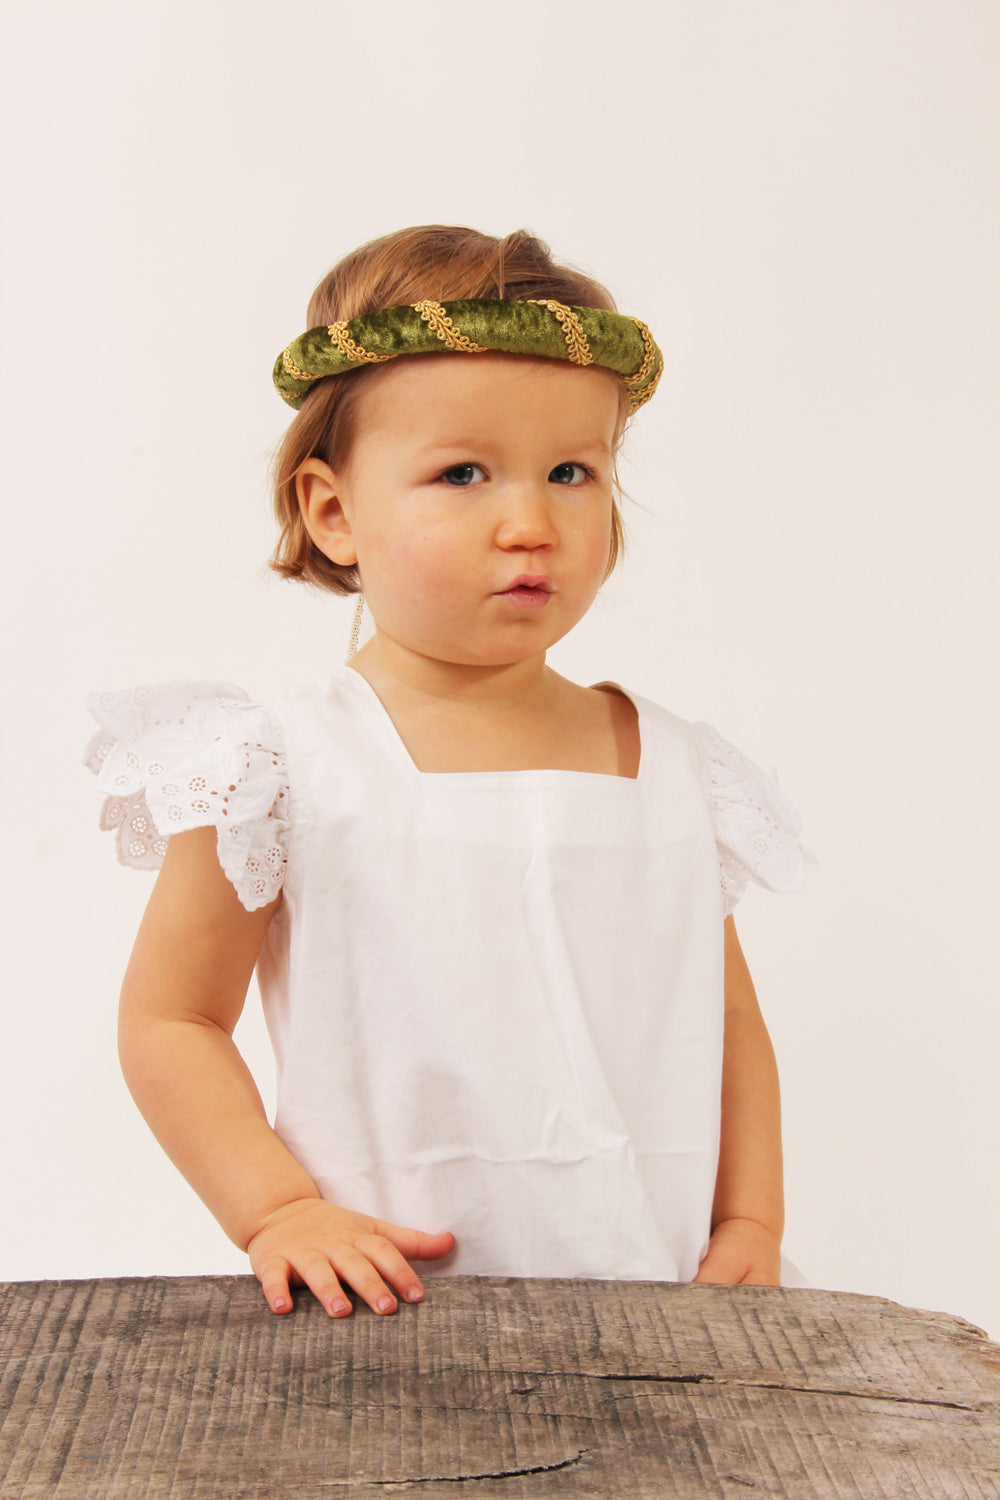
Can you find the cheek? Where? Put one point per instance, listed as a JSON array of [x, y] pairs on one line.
[[423, 562], [595, 541]]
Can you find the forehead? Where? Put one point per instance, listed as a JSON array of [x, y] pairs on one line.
[[437, 390]]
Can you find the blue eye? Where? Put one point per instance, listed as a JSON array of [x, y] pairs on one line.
[[461, 469], [588, 473], [460, 476]]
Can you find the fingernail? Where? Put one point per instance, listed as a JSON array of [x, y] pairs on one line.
[[279, 1304], [414, 1294], [385, 1304], [338, 1306]]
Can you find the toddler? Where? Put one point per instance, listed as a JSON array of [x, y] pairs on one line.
[[490, 910]]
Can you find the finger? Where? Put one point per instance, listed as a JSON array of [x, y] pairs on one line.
[[415, 1244], [273, 1278], [394, 1268], [320, 1277], [355, 1267]]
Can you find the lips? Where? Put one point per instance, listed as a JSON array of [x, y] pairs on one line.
[[539, 582], [529, 591]]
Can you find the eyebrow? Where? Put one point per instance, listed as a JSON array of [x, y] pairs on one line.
[[446, 444]]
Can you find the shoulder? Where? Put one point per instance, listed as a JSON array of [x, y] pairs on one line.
[[334, 697], [755, 824], [654, 717], [663, 731], [178, 755]]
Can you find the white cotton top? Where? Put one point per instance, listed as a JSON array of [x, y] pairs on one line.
[[496, 998]]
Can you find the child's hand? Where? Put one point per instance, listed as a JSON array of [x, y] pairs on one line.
[[311, 1241], [742, 1252]]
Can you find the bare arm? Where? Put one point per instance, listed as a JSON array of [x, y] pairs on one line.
[[748, 1212], [183, 993]]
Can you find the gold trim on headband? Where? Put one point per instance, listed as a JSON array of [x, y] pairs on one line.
[[540, 327], [576, 340], [338, 332], [434, 314]]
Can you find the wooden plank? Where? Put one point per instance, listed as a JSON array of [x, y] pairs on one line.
[[188, 1387]]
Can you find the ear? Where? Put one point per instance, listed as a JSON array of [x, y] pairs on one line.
[[324, 517]]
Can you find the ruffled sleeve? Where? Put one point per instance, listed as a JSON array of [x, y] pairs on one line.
[[180, 755], [756, 826]]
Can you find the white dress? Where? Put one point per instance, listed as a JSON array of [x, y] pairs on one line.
[[495, 998]]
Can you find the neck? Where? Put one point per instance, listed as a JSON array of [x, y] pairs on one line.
[[390, 669]]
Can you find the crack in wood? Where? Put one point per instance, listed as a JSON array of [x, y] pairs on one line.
[[447, 1408], [805, 1390], [356, 1401], [401, 1484], [822, 1390], [655, 1379]]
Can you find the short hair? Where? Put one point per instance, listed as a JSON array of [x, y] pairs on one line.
[[446, 263]]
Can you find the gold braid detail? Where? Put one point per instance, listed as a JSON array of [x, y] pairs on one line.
[[347, 346], [636, 380], [447, 331], [291, 368], [389, 326], [576, 339]]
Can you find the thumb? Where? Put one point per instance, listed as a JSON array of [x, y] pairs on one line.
[[416, 1244]]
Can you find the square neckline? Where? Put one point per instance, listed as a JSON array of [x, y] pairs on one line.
[[378, 713]]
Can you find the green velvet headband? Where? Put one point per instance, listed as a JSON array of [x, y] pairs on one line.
[[541, 327]]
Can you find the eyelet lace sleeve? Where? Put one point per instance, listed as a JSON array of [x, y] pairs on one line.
[[756, 826], [180, 755]]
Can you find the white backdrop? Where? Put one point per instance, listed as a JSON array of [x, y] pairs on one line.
[[801, 200]]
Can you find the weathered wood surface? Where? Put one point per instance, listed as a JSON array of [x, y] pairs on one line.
[[189, 1388]]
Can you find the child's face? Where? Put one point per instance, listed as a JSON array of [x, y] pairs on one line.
[[468, 473]]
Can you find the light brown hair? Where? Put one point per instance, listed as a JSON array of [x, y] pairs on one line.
[[443, 262]]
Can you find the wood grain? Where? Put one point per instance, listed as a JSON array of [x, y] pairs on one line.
[[188, 1387]]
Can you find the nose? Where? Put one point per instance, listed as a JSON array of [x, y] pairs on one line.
[[526, 519]]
